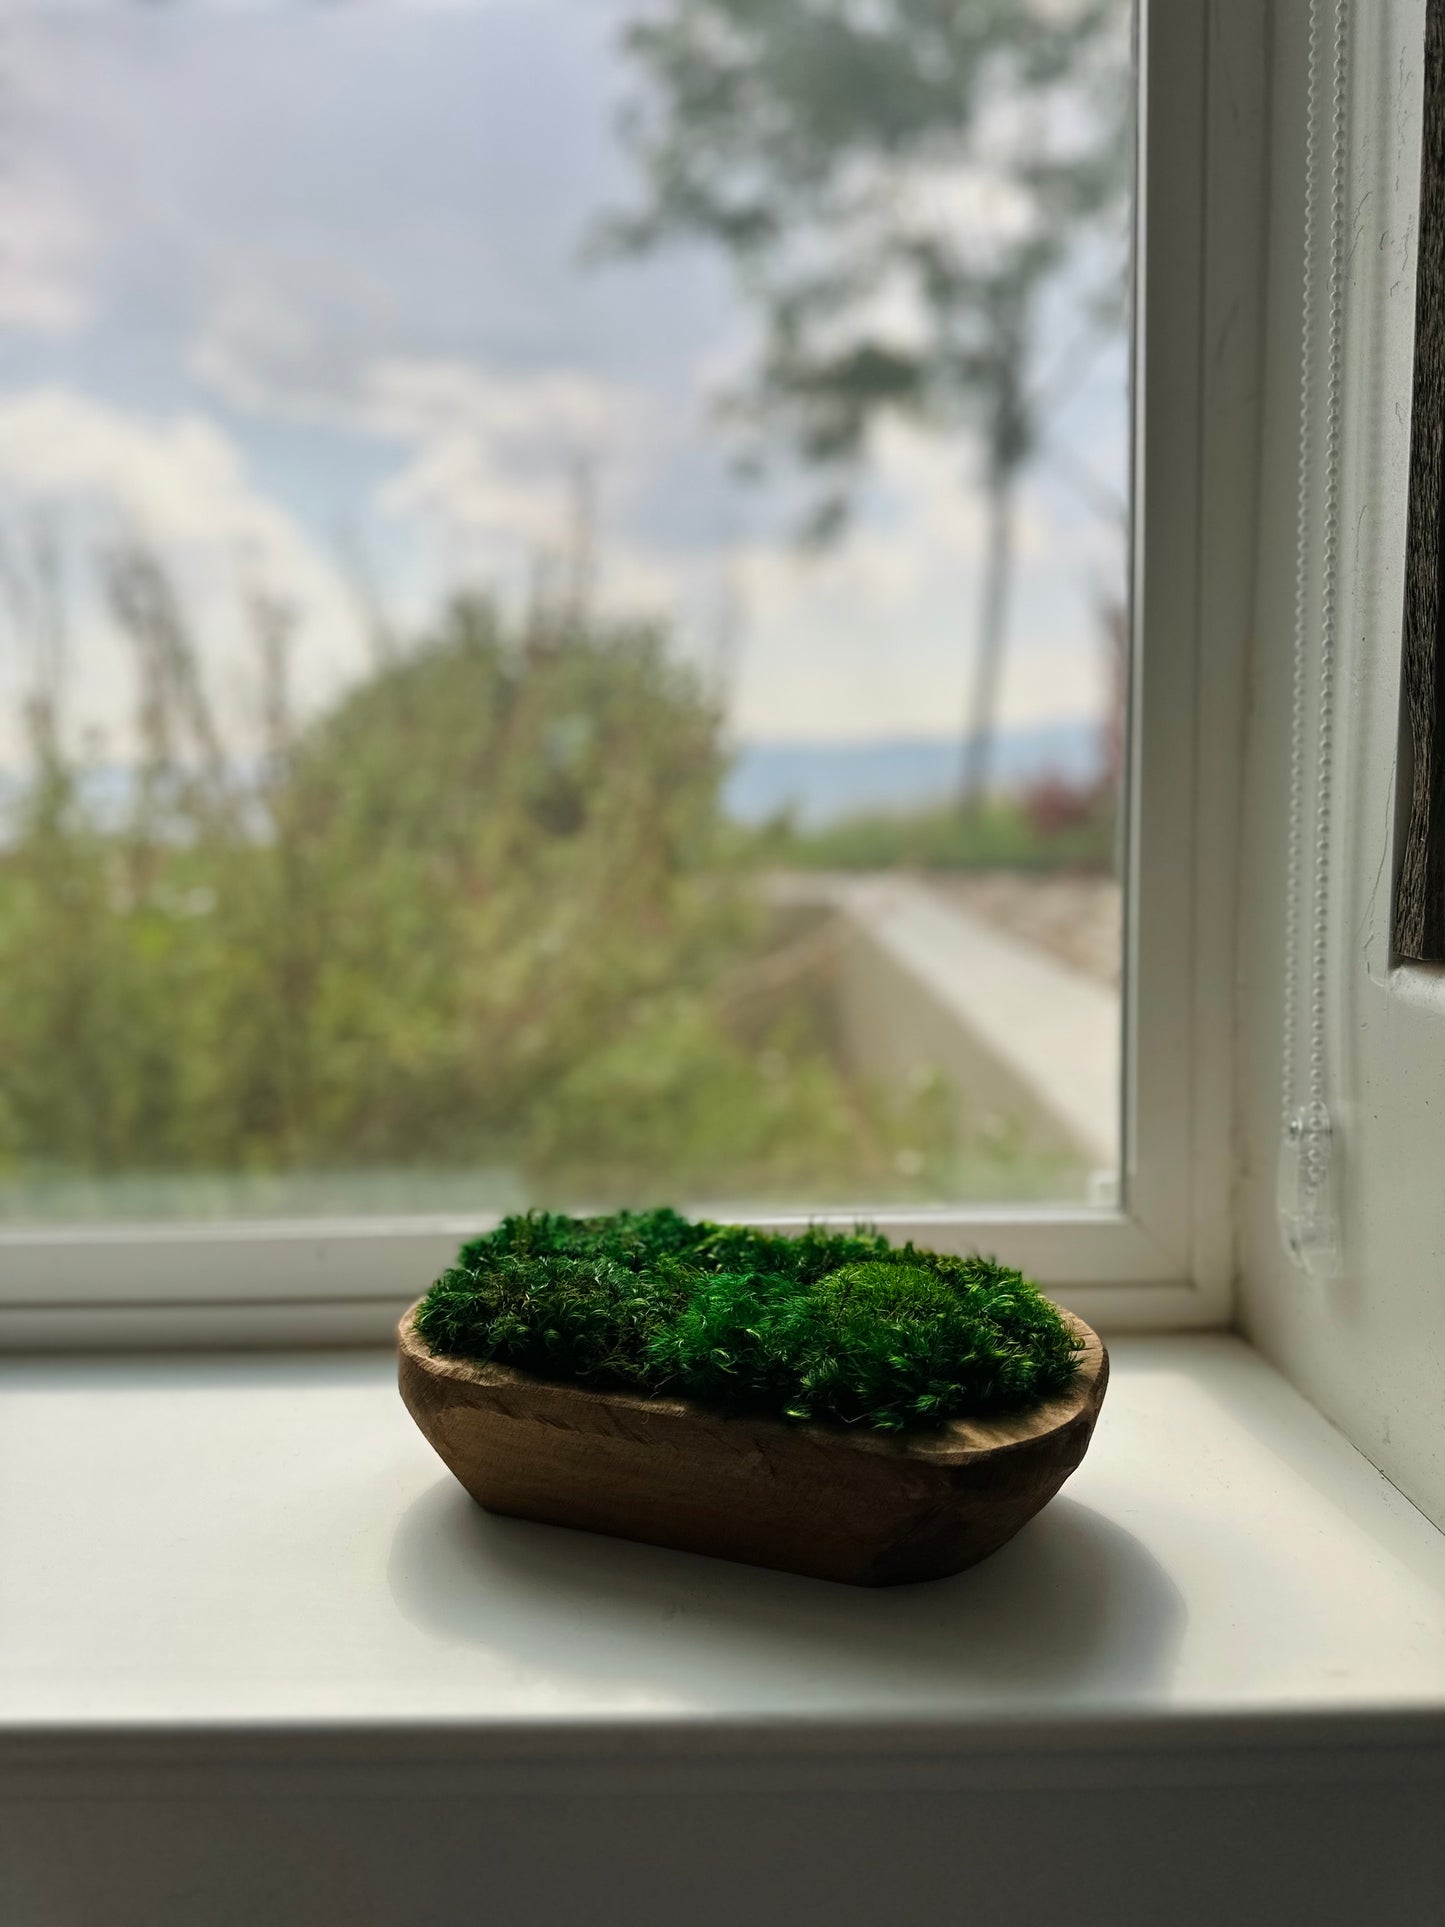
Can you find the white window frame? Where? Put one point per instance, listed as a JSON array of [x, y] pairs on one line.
[[1165, 1257]]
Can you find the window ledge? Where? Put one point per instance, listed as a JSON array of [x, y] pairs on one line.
[[254, 1548]]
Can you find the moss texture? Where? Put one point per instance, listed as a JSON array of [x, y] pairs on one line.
[[822, 1326]]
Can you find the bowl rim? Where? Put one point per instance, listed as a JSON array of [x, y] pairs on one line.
[[957, 1442]]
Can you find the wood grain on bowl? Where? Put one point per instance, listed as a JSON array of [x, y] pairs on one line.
[[870, 1508]]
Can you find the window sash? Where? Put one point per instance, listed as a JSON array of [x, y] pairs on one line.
[[1164, 1258]]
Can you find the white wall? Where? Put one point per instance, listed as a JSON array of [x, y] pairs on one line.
[[1369, 1346], [1197, 1835]]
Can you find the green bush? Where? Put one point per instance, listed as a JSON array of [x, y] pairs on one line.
[[823, 1326], [486, 913], [485, 919]]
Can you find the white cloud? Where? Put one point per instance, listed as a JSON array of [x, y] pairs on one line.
[[978, 204], [44, 258], [493, 456], [489, 463], [872, 637], [182, 483], [286, 7], [1054, 683], [486, 447], [877, 636], [921, 534], [258, 354], [97, 472], [834, 686]]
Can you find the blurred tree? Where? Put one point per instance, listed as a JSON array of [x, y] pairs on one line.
[[898, 183], [485, 912], [504, 841]]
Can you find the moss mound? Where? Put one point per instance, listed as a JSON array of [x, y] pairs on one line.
[[823, 1326]]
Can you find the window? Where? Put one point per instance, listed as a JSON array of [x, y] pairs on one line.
[[438, 782], [1365, 1342]]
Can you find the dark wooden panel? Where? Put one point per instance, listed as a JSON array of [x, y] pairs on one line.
[[1420, 891]]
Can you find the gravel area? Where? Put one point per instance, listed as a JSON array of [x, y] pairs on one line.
[[1078, 919]]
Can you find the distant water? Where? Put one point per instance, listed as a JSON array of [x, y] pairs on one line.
[[824, 782], [821, 782]]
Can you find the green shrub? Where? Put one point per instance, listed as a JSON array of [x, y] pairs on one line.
[[826, 1326], [1006, 835], [482, 918], [484, 913]]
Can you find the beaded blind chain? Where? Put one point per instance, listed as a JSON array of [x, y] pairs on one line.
[[1308, 1155]]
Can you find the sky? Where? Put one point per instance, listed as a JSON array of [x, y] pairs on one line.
[[301, 297]]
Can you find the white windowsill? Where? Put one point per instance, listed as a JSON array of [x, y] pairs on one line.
[[248, 1545]]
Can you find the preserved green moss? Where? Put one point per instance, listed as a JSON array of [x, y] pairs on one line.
[[822, 1326]]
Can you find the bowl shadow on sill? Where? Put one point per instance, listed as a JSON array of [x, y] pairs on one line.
[[1074, 1605]]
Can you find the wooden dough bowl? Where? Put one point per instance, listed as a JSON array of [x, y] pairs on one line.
[[870, 1508]]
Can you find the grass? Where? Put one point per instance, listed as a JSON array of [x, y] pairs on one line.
[[1006, 835], [842, 1328]]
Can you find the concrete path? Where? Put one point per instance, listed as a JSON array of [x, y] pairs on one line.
[[1053, 1031]]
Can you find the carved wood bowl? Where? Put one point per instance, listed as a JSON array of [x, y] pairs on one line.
[[865, 1507]]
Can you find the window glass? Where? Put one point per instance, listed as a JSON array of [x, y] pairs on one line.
[[562, 572]]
